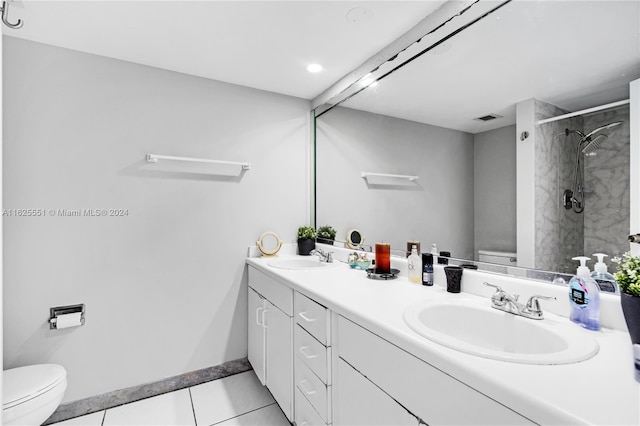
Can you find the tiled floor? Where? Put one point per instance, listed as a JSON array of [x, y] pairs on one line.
[[235, 400]]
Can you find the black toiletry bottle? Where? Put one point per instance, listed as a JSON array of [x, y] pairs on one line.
[[427, 269]]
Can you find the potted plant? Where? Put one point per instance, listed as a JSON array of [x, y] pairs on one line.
[[306, 240], [326, 234], [628, 278]]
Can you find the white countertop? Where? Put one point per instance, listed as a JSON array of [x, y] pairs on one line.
[[601, 390]]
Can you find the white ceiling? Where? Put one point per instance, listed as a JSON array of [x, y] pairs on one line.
[[261, 44], [573, 54]]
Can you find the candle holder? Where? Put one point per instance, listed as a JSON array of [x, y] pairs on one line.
[[391, 275]]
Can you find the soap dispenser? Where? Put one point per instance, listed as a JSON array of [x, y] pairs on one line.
[[584, 296], [606, 281]]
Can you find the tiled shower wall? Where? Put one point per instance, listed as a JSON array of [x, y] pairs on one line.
[[559, 232], [606, 219], [604, 225]]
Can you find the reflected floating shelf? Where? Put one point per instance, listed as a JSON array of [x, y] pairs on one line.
[[153, 158], [388, 178]]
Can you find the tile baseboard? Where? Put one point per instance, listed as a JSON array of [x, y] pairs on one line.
[[119, 397]]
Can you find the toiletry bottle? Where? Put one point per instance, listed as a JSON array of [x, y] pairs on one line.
[[427, 269], [434, 251], [606, 282], [414, 266], [584, 296]]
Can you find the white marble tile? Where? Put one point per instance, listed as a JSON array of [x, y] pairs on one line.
[[223, 399], [271, 415], [172, 408], [93, 419]]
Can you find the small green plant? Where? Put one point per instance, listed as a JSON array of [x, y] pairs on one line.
[[327, 232], [628, 273], [306, 232]]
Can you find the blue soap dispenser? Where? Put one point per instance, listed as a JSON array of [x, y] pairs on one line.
[[584, 296], [606, 282]]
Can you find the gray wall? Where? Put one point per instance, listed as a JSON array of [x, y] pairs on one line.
[[495, 190], [439, 209], [164, 286]]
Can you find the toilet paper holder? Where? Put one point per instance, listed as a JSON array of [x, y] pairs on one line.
[[55, 312]]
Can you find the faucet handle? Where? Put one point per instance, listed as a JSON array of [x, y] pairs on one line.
[[533, 303], [329, 257], [499, 298], [497, 287]]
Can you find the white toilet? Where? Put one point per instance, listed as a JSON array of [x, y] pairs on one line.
[[32, 393], [498, 257], [499, 261]]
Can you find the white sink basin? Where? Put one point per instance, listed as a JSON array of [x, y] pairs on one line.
[[300, 263], [471, 327]]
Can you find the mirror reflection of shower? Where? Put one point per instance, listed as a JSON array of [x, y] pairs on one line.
[[574, 198]]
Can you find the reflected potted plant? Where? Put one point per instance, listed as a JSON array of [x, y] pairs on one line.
[[326, 234], [306, 240], [628, 278]]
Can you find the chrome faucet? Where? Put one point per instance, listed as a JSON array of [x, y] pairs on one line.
[[505, 302], [326, 257]]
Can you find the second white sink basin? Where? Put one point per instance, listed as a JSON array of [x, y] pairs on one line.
[[471, 327], [300, 263]]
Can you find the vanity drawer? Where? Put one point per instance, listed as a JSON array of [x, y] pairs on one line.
[[313, 317], [306, 415], [313, 389], [438, 401], [277, 293], [312, 353]]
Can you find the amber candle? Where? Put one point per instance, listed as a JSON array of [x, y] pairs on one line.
[[383, 258]]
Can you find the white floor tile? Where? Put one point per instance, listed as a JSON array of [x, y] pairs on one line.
[[229, 397], [168, 409], [271, 415], [93, 419]]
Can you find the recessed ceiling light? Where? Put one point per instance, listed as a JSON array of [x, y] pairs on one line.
[[314, 68]]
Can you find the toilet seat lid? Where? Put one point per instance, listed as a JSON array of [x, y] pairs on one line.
[[24, 383]]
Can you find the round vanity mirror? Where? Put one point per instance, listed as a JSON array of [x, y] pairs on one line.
[[354, 239], [269, 243]]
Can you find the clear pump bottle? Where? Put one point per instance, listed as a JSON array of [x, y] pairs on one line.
[[584, 296], [606, 281]]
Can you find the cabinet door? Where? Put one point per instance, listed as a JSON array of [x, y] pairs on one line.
[[360, 402], [257, 334], [279, 351]]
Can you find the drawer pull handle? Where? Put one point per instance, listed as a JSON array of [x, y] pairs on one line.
[[305, 317], [303, 351], [304, 387], [258, 315], [264, 322]]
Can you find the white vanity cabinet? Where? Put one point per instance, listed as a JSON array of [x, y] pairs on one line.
[[431, 395], [312, 362], [270, 336]]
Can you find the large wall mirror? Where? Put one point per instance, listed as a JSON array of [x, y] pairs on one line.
[[440, 137]]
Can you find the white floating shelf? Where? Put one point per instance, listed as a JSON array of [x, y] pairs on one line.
[[153, 158], [384, 176]]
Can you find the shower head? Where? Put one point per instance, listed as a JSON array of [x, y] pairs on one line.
[[605, 127], [594, 144]]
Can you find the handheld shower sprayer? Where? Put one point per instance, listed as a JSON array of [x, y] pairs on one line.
[[574, 197]]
